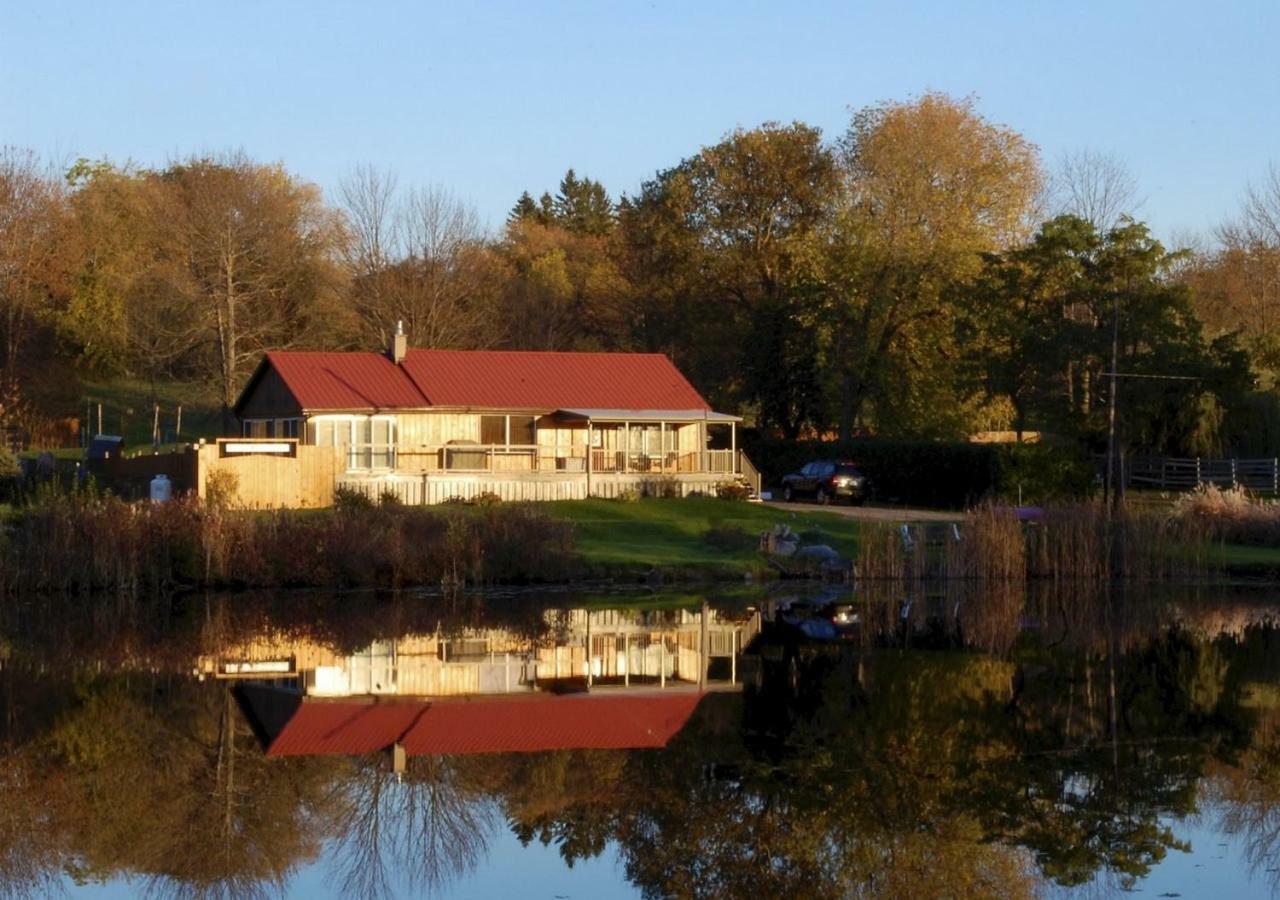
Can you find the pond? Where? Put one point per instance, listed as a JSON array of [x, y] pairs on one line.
[[1064, 740]]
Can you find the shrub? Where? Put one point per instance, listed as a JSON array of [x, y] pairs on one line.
[[949, 475], [665, 487], [349, 498], [628, 495], [733, 490], [221, 489]]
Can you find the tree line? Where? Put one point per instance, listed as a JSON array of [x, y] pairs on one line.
[[922, 275]]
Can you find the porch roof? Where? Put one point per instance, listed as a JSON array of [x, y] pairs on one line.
[[649, 415]]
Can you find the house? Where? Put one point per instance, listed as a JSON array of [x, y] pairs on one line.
[[435, 424]]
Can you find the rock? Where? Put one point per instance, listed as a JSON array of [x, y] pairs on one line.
[[785, 548], [820, 552]]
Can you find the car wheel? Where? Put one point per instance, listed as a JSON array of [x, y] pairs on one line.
[[787, 494], [822, 497]]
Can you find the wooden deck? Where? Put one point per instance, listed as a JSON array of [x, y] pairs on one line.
[[283, 473]]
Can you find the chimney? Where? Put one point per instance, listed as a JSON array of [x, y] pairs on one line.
[[399, 344]]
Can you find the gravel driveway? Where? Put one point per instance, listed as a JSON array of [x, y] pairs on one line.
[[871, 513]]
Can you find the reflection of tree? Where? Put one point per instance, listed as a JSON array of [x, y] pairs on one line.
[[154, 776], [28, 861], [909, 773], [425, 829], [845, 770]]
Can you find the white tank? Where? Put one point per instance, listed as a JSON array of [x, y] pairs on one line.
[[161, 489]]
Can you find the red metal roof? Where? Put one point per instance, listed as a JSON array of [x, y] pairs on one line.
[[483, 379], [521, 724], [544, 380], [345, 381]]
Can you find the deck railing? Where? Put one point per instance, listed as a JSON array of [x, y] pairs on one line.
[[466, 458]]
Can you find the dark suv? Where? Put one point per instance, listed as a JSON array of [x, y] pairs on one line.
[[826, 480]]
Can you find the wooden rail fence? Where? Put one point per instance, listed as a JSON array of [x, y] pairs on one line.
[[1178, 473]]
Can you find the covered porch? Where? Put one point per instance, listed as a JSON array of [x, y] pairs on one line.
[[657, 442]]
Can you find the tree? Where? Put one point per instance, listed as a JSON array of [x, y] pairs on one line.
[[1237, 284], [725, 246], [35, 248], [929, 186], [420, 259], [128, 311], [1041, 323], [1094, 186], [258, 250], [582, 206]]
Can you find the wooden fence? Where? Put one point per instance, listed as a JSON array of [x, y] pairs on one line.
[[1180, 474]]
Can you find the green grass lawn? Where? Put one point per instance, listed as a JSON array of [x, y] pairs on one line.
[[128, 410], [1246, 556], [669, 534]]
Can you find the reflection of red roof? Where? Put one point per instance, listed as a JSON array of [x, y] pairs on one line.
[[504, 724], [482, 379]]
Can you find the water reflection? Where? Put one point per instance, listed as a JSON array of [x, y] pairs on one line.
[[937, 744]]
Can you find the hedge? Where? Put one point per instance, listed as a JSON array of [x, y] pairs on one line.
[[934, 474]]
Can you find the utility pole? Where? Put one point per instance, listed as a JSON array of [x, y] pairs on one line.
[[1111, 492]]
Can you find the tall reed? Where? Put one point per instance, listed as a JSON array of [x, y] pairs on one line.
[[86, 543]]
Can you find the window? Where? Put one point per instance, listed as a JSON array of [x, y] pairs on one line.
[[287, 428], [523, 430], [373, 444], [493, 429], [519, 431]]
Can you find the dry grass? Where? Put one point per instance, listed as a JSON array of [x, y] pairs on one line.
[[83, 543], [1232, 515]]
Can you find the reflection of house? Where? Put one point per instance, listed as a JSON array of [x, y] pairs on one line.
[[432, 424], [589, 648], [605, 679]]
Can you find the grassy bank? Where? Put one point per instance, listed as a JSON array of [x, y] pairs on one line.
[[87, 543], [697, 537]]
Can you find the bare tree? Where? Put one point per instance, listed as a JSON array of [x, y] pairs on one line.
[[424, 830], [257, 246], [420, 258], [1098, 187]]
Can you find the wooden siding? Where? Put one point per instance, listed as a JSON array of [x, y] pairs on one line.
[[270, 399], [420, 435], [268, 481]]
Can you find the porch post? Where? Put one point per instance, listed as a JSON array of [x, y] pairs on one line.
[[733, 446], [662, 446], [589, 457], [626, 447], [704, 648], [587, 644], [702, 443]]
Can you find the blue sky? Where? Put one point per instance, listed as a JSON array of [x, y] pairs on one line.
[[491, 99]]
